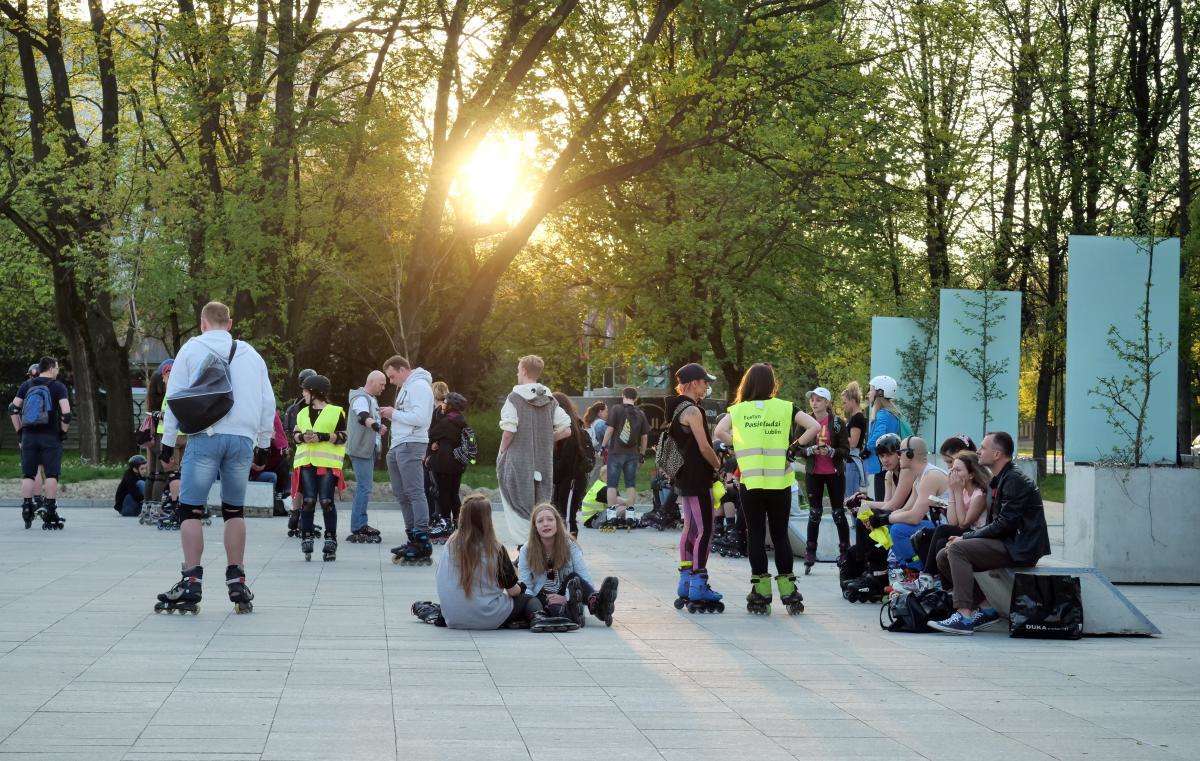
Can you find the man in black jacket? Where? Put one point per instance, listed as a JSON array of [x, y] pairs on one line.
[[1015, 535]]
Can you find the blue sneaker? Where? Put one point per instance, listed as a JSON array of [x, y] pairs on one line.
[[956, 624], [984, 616]]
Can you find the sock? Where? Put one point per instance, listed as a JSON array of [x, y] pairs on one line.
[[330, 520]]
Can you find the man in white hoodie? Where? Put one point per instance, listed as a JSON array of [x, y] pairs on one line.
[[530, 421], [225, 451], [410, 419]]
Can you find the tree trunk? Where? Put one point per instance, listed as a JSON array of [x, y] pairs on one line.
[[1183, 62]]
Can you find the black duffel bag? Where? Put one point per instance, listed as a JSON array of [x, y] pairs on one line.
[[912, 611], [1046, 607]]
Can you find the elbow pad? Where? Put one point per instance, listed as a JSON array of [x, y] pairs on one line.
[[66, 418]]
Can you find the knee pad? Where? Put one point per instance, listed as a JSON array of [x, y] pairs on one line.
[[327, 504], [189, 512], [308, 505], [229, 512]]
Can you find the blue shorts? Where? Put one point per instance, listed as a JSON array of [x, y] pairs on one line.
[[618, 464], [207, 458]]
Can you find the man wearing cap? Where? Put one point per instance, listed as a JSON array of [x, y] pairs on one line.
[[885, 418], [826, 472], [625, 439]]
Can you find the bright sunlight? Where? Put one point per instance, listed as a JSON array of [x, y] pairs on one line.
[[495, 184]]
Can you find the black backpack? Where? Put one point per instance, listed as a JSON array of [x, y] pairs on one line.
[[209, 398], [587, 452], [912, 611]]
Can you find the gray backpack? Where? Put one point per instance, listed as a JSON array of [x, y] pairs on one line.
[[209, 398]]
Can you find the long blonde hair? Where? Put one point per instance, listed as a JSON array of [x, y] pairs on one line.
[[473, 545], [560, 549]]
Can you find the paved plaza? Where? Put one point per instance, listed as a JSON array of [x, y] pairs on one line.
[[332, 665]]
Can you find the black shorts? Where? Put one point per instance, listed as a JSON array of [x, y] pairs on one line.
[[41, 449]]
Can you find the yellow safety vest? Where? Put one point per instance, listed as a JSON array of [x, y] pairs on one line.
[[322, 454], [761, 433], [162, 415]]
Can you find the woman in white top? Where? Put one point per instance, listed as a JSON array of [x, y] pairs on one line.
[[969, 483]]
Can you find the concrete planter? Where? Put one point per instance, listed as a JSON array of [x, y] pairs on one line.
[[1136, 525]]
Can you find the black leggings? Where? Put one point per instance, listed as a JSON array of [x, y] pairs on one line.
[[524, 606], [941, 536], [568, 496], [835, 484], [763, 508], [448, 500]]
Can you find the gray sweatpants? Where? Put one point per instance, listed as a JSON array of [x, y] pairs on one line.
[[408, 483]]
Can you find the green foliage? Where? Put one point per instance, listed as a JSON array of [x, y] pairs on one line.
[[981, 309]]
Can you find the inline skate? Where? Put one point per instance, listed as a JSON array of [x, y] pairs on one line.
[[545, 623], [306, 543], [365, 535], [440, 531], [51, 520], [429, 612], [758, 601], [788, 594], [810, 557], [701, 597], [184, 596], [294, 524], [239, 594], [418, 551], [603, 603], [28, 512], [329, 551], [685, 579]]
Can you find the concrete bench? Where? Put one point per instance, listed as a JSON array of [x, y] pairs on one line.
[[260, 499], [1105, 609]]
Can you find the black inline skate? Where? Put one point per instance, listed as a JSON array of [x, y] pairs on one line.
[[184, 596], [428, 612], [440, 530], [604, 603], [306, 543], [701, 597], [758, 601], [294, 524], [810, 557], [418, 551], [788, 594], [239, 594], [365, 535], [545, 623], [329, 551], [51, 520], [28, 512]]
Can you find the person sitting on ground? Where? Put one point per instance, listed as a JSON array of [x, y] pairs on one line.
[[131, 492], [477, 585], [1016, 535], [968, 506], [929, 485], [551, 566]]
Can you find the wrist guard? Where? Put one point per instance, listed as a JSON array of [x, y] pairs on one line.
[[362, 417], [66, 418]]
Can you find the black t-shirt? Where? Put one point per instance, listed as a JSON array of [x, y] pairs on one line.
[[859, 421], [696, 476], [58, 392]]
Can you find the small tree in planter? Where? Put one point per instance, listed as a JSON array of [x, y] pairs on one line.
[[920, 396], [983, 310], [1125, 398]]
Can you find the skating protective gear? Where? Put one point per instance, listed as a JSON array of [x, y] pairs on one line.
[[877, 519], [229, 512], [888, 443], [189, 512], [67, 417], [13, 409], [165, 453], [309, 504], [885, 384], [317, 384], [456, 401], [305, 374], [136, 461], [854, 500]]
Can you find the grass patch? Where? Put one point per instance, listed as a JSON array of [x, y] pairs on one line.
[[1054, 487], [74, 470]]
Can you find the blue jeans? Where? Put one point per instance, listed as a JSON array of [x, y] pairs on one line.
[[131, 507], [364, 480], [853, 478], [902, 548], [207, 458], [622, 464], [266, 477]]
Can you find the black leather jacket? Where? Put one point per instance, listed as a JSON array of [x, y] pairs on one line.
[[1017, 517]]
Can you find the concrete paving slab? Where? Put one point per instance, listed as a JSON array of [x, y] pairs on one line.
[[331, 664]]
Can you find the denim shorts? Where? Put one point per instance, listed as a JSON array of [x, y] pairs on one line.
[[207, 458], [619, 464]]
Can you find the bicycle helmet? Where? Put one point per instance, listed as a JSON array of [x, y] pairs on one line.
[[137, 461], [305, 374], [456, 401], [317, 384], [888, 443]]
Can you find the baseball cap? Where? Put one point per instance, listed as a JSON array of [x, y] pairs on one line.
[[693, 372], [822, 392]]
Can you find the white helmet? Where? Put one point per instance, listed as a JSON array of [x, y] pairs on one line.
[[886, 384]]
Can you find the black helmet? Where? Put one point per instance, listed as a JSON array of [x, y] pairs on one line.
[[456, 401], [305, 374], [888, 443], [137, 461], [318, 384]]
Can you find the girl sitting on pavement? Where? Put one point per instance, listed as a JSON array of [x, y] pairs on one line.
[[551, 566], [477, 584]]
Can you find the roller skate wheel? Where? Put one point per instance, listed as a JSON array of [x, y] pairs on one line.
[[795, 609], [308, 557], [679, 603], [242, 607], [807, 569], [397, 560]]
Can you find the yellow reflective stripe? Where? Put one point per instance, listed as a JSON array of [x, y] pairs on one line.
[[762, 452], [764, 472]]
